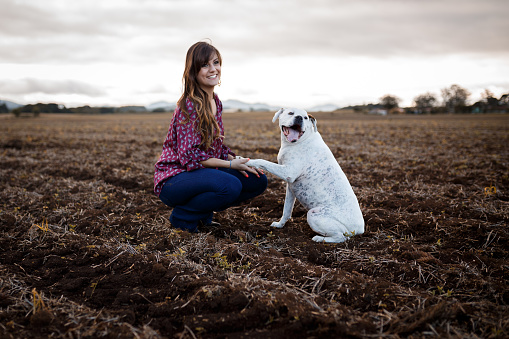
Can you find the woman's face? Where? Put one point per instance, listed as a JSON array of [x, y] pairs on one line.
[[210, 73]]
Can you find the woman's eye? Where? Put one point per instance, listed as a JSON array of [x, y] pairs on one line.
[[205, 65], [216, 62]]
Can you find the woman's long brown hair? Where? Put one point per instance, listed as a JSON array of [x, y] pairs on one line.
[[198, 55]]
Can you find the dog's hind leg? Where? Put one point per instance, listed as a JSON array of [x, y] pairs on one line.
[[330, 229], [287, 209]]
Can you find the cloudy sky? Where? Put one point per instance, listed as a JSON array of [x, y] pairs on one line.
[[280, 52]]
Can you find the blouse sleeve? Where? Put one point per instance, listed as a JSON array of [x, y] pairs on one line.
[[188, 144], [225, 151]]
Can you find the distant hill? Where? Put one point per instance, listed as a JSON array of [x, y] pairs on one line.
[[228, 106], [10, 105], [236, 106], [239, 106], [323, 108], [161, 106]]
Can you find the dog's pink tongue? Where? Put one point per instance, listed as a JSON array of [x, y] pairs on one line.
[[292, 135]]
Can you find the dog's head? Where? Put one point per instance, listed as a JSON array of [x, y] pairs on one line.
[[296, 124]]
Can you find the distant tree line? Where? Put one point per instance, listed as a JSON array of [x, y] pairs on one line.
[[39, 108], [3, 108], [454, 100]]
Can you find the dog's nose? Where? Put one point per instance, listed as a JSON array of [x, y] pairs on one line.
[[298, 119]]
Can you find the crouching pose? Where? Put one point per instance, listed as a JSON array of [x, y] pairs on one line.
[[197, 173]]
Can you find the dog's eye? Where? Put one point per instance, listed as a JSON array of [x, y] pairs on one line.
[[291, 113], [306, 118]]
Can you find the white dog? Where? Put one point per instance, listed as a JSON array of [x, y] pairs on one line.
[[314, 177]]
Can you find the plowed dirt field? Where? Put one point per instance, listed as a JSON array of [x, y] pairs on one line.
[[87, 251]]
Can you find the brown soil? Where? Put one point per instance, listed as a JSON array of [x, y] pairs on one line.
[[87, 251]]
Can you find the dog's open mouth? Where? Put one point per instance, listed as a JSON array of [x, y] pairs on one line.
[[292, 133]]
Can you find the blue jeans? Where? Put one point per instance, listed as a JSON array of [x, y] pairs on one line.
[[195, 195]]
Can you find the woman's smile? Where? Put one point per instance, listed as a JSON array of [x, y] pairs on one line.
[[210, 73]]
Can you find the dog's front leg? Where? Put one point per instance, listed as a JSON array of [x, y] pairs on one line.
[[286, 173], [287, 209]]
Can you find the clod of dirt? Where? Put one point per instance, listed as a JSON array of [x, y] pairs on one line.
[[5, 300], [7, 220], [41, 318]]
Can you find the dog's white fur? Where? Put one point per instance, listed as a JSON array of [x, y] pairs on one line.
[[315, 178]]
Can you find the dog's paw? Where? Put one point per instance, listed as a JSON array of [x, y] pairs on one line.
[[256, 163], [319, 238], [277, 224]]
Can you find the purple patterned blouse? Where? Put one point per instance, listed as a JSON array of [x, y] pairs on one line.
[[181, 151]]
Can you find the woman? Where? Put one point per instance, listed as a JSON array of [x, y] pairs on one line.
[[196, 173]]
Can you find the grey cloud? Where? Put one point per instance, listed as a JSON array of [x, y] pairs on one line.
[[30, 33], [33, 21], [30, 86], [143, 31], [383, 28]]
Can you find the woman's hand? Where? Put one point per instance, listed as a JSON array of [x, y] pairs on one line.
[[239, 164]]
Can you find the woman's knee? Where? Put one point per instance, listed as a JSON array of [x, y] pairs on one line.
[[263, 183], [231, 189], [258, 185], [166, 195]]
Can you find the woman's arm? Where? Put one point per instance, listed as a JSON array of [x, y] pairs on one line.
[[237, 164]]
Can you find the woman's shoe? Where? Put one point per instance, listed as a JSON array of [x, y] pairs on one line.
[[182, 226], [190, 230], [210, 224]]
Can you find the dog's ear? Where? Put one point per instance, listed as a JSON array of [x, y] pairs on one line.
[[278, 113], [313, 121]]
